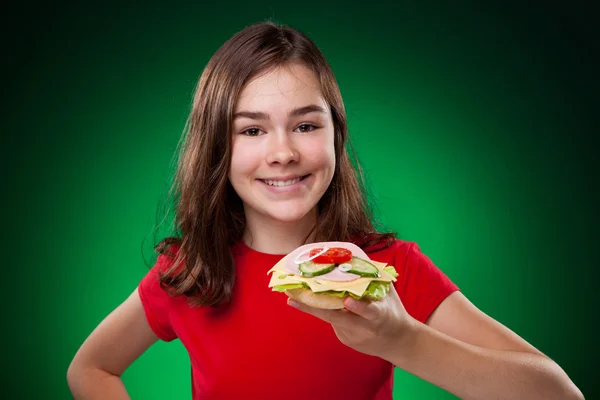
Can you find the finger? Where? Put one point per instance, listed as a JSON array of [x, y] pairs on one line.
[[340, 318], [395, 297], [368, 310], [393, 291], [325, 315]]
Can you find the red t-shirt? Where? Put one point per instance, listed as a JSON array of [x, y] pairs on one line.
[[258, 347]]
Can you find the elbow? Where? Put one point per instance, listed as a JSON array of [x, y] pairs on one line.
[[565, 386], [73, 372], [569, 389], [77, 373], [71, 380], [574, 393]]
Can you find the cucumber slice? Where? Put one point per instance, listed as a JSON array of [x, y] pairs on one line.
[[363, 268], [310, 268]]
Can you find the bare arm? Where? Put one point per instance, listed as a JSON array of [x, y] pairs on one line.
[[468, 353], [460, 349], [123, 336]]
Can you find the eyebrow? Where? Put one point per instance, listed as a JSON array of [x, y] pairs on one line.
[[294, 113]]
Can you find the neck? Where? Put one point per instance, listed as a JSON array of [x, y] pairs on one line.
[[267, 235]]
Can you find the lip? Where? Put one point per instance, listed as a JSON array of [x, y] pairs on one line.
[[283, 178], [285, 189]]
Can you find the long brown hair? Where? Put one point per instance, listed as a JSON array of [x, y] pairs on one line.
[[208, 214]]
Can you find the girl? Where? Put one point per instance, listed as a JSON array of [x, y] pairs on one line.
[[265, 167]]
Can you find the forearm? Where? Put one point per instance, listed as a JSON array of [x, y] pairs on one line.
[[92, 384], [472, 372]]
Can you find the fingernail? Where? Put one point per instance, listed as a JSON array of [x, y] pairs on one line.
[[350, 303], [293, 303]]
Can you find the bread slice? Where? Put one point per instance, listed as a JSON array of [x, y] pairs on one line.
[[316, 300]]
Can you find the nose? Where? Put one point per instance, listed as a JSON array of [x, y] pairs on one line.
[[282, 149]]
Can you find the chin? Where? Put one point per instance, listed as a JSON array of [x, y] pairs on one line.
[[290, 214]]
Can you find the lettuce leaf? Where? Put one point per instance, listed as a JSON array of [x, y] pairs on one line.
[[283, 288], [391, 270]]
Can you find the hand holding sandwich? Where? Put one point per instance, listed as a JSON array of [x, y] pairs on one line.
[[338, 283], [371, 327]]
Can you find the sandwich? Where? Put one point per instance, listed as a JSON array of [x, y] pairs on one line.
[[322, 274]]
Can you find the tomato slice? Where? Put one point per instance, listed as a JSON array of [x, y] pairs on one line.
[[335, 255]]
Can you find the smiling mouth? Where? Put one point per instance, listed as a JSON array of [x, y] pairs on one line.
[[283, 183]]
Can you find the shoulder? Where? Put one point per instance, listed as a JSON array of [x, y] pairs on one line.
[[158, 304], [421, 284], [396, 253], [166, 258], [167, 254], [150, 284], [413, 266]]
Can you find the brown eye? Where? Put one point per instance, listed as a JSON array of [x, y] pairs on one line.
[[306, 128], [251, 132]]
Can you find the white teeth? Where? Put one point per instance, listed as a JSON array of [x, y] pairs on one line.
[[281, 183]]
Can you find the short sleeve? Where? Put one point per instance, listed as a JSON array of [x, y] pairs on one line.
[[156, 301], [421, 285]]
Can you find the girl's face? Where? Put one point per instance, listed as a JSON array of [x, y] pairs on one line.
[[283, 155]]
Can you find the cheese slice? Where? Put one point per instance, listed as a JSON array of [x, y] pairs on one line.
[[281, 276]]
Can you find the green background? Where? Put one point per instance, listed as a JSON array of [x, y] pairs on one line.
[[476, 126]]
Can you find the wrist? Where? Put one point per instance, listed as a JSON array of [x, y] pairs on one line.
[[403, 342]]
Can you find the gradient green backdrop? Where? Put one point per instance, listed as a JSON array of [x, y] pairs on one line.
[[475, 125]]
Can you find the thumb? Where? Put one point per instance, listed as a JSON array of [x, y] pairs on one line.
[[366, 309]]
